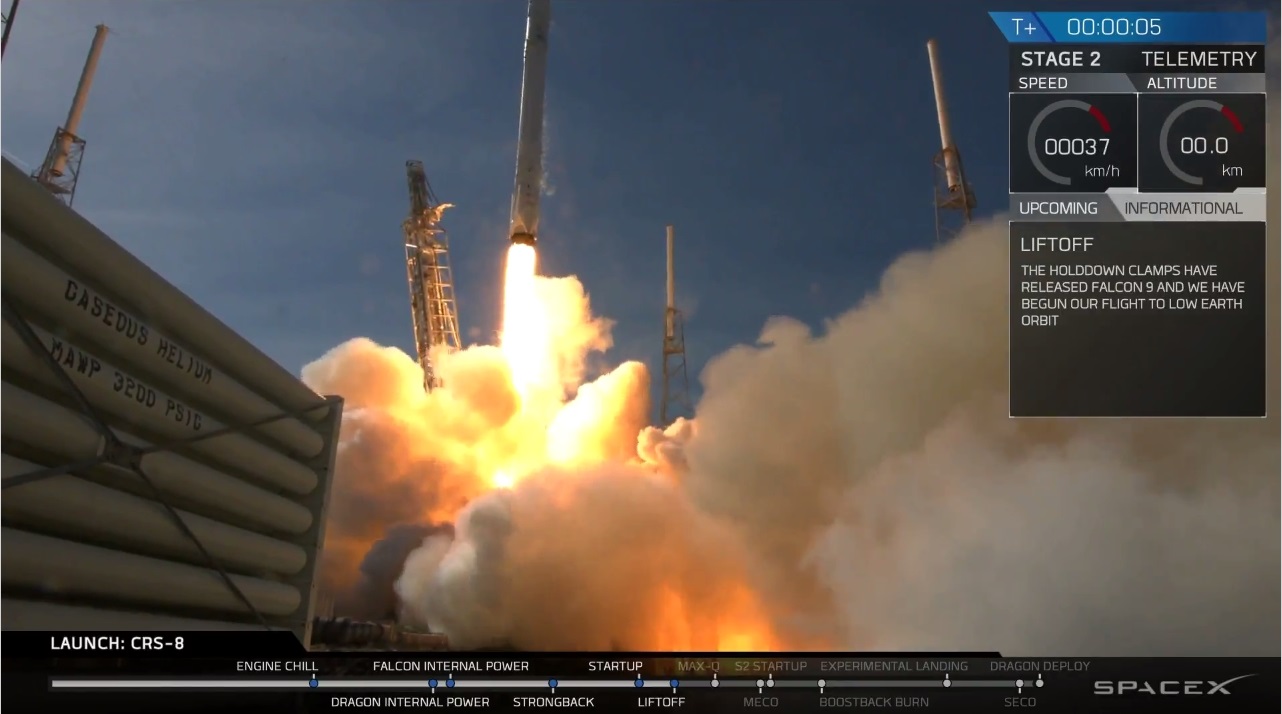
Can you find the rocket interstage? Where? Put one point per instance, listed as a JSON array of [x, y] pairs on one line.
[[529, 145]]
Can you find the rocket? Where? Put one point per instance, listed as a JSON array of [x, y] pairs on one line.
[[529, 144]]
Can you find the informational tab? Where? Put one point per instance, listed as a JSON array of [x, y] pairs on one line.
[[1137, 239]]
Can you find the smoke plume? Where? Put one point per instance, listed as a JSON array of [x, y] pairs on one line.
[[857, 488], [374, 597]]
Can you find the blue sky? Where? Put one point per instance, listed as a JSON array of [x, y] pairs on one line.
[[253, 152]]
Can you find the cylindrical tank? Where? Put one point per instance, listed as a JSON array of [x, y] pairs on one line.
[[51, 296], [138, 404], [63, 568], [76, 508], [45, 225], [50, 428], [155, 464]]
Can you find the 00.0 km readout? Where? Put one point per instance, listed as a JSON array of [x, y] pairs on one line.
[[1201, 145]]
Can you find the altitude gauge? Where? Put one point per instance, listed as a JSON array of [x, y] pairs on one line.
[[1207, 142], [1071, 143]]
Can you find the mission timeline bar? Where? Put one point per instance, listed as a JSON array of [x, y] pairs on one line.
[[1052, 684], [222, 671]]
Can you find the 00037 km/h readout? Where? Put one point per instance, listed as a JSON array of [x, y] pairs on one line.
[[1055, 146], [1083, 143]]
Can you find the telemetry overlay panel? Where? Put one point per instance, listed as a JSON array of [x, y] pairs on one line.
[[1137, 239]]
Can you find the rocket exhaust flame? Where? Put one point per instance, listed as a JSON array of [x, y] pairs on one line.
[[525, 327], [524, 340]]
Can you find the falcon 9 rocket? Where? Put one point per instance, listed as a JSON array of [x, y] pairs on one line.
[[529, 146]]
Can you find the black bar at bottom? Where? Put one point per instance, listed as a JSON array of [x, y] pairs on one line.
[[1100, 686], [1137, 319]]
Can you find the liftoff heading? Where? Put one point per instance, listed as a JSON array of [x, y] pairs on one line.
[[1065, 244]]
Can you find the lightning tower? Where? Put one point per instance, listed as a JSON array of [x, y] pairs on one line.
[[427, 266], [676, 385], [61, 168], [954, 199]]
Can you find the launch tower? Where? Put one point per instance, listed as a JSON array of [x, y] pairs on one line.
[[954, 199], [676, 384], [427, 266], [61, 168]]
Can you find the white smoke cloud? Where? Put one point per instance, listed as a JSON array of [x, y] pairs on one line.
[[866, 484], [981, 538]]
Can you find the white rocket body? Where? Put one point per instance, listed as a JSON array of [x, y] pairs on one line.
[[529, 146], [669, 326], [951, 170], [72, 125]]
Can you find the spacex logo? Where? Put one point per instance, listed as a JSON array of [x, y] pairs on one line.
[[1166, 688]]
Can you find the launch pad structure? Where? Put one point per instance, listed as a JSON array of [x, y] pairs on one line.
[[60, 171], [427, 267], [676, 383], [954, 199]]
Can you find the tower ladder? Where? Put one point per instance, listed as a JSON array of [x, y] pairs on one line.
[[427, 267]]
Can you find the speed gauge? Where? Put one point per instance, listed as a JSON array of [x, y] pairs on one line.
[[1071, 143], [1209, 142]]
